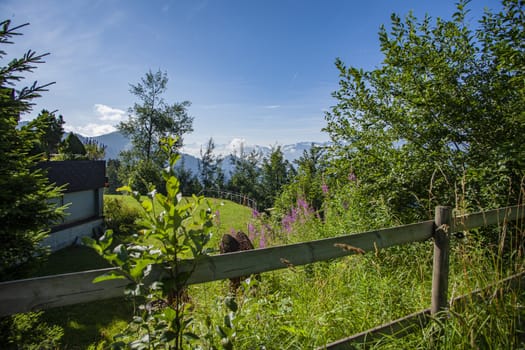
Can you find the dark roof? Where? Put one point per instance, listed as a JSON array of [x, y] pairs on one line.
[[79, 175]]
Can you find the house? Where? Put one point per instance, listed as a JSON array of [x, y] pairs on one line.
[[84, 194]]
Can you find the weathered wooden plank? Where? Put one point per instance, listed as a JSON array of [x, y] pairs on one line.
[[59, 290], [244, 263], [489, 217], [397, 328], [68, 289], [405, 325], [440, 265]]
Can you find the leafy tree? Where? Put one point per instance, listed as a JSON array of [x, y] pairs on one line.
[[276, 172], [26, 207], [149, 121], [50, 129], [211, 174], [307, 184], [153, 118], [440, 122]]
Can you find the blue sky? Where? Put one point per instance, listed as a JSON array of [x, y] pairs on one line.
[[254, 70]]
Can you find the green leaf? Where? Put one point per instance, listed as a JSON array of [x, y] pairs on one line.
[[108, 276], [147, 205]]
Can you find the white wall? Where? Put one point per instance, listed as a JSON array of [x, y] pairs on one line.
[[71, 235]]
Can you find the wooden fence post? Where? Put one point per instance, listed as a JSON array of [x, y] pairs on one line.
[[441, 254]]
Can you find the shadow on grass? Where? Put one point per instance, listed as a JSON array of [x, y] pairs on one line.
[[90, 323]]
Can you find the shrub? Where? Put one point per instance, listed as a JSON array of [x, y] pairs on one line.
[[120, 217]]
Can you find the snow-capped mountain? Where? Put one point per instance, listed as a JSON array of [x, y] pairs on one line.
[[115, 142]]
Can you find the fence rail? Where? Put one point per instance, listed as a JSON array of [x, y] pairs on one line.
[[73, 288], [234, 197]]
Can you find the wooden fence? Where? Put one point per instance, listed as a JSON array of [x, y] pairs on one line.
[[234, 197], [73, 288]]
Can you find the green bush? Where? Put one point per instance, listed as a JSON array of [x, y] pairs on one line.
[[120, 217]]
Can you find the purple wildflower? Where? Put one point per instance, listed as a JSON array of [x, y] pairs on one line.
[[255, 213], [352, 177], [324, 187], [262, 239]]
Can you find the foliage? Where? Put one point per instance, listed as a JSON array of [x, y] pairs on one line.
[[119, 217], [189, 183], [71, 148], [149, 121], [276, 172], [50, 129], [211, 174], [112, 172], [308, 184], [245, 178], [29, 331], [94, 149], [25, 200], [444, 113], [182, 230]]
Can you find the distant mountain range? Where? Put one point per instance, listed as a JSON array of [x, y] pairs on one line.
[[116, 142]]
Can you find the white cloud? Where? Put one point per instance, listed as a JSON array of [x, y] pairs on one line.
[[91, 129], [108, 113], [272, 106]]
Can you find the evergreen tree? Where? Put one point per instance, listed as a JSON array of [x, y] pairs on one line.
[[26, 208], [211, 174], [72, 148], [245, 178], [112, 171], [276, 172], [50, 129]]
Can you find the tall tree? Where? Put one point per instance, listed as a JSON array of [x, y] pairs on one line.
[[441, 120], [307, 182], [50, 129], [211, 174], [245, 178], [72, 148], [150, 120], [94, 149], [276, 172], [26, 207]]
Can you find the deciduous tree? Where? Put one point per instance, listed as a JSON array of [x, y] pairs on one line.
[[440, 121]]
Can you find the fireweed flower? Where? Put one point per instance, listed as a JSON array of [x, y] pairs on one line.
[[255, 213], [352, 177], [324, 188], [252, 232], [217, 217]]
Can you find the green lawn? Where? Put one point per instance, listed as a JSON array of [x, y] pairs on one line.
[[85, 325]]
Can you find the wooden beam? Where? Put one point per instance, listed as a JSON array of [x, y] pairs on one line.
[[218, 267], [405, 325], [67, 289], [440, 265], [54, 291], [489, 217]]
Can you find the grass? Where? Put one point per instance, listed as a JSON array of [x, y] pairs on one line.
[[94, 324], [310, 306]]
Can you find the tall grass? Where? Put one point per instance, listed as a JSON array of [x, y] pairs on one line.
[[310, 306]]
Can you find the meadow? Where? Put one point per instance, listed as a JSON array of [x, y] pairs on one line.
[[310, 306]]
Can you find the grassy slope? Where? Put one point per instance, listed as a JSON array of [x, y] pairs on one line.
[[87, 324], [304, 307]]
